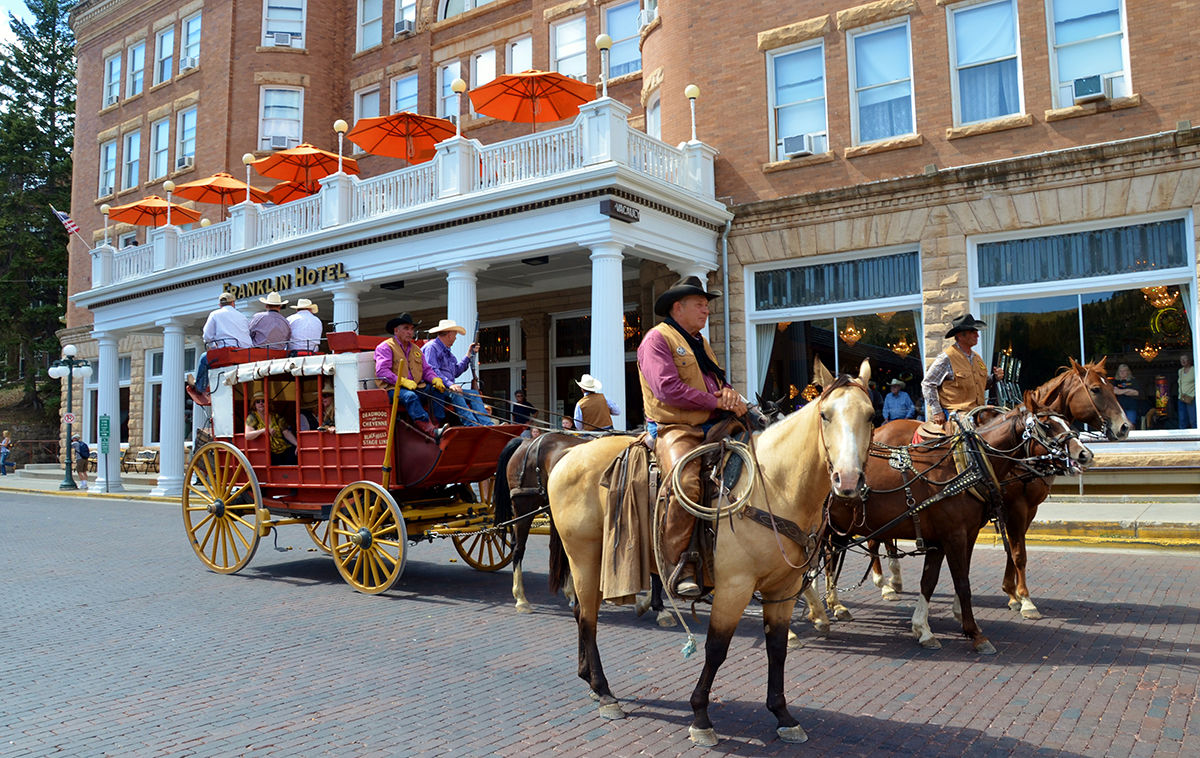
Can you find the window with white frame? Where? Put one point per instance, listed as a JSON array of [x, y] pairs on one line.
[[108, 168], [128, 239], [132, 168], [518, 55], [796, 86], [881, 98], [370, 23], [164, 55], [404, 94], [153, 399], [1088, 38], [185, 137], [654, 115], [137, 70], [281, 117], [406, 16], [451, 8], [568, 48], [283, 22], [189, 52], [366, 103], [160, 149], [501, 362], [112, 79], [447, 106], [985, 77], [621, 23], [483, 70]]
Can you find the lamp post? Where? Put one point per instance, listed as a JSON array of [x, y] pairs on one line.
[[104, 209], [66, 368], [248, 158], [169, 186], [458, 87], [604, 44], [341, 127], [691, 92]]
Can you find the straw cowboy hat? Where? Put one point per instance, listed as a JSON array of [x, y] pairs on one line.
[[688, 286], [304, 303], [447, 325], [403, 318], [257, 396], [272, 298], [589, 383], [896, 383], [965, 323], [226, 298]]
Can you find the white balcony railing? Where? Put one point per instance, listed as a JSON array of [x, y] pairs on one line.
[[295, 219], [534, 157], [654, 157], [133, 263], [205, 243], [392, 192]]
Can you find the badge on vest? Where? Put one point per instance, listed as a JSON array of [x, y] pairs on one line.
[[681, 350]]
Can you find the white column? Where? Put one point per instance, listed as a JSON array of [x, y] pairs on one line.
[[171, 433], [462, 302], [345, 306], [108, 403], [608, 332]]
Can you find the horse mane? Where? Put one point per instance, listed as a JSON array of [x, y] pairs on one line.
[[841, 381], [1041, 394]]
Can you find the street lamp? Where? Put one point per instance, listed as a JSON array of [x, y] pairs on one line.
[[458, 87], [169, 186], [691, 92], [341, 127], [247, 159], [66, 368], [604, 44], [104, 209]]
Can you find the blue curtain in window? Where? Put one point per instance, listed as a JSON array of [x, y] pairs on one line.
[[985, 51], [881, 69], [865, 279]]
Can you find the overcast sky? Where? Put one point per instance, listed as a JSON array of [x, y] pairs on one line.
[[6, 7]]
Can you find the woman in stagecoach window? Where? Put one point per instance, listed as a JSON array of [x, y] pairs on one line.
[[1127, 393], [283, 442]]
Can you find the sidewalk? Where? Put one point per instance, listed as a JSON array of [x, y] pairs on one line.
[[45, 479]]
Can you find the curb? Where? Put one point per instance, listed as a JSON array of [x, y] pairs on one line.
[[87, 493], [1166, 536]]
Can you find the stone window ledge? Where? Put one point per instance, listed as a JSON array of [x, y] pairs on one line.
[[883, 146], [1087, 109], [274, 49], [988, 127], [791, 163]]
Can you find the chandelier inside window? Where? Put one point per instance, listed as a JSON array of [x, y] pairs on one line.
[[1161, 296], [850, 334], [1149, 352], [902, 347]]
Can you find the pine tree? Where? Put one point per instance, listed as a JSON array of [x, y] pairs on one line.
[[37, 121]]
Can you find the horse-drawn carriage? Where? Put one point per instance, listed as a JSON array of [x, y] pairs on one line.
[[362, 480]]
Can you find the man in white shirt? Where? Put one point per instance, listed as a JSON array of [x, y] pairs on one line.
[[307, 329], [225, 327]]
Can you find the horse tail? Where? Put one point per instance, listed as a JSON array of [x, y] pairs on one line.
[[559, 568], [501, 500]]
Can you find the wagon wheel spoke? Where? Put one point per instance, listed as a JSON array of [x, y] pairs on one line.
[[224, 534], [367, 537], [486, 552]]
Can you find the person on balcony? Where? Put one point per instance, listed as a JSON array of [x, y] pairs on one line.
[[399, 361], [306, 328], [594, 412], [225, 327], [466, 401], [269, 328], [282, 440]]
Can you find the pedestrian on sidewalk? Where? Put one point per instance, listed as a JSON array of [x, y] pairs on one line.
[[6, 446], [82, 456]]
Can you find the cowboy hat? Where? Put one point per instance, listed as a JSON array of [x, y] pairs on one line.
[[589, 383], [327, 390], [965, 323], [272, 298], [226, 298], [303, 303], [448, 325], [690, 285], [403, 318], [258, 395], [896, 383]]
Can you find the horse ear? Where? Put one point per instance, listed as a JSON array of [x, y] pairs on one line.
[[864, 372], [821, 375], [1030, 401], [1100, 365], [1076, 367]]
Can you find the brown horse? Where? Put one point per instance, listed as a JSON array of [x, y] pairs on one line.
[[950, 525], [1081, 394], [799, 459]]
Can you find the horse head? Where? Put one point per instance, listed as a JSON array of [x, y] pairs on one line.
[[1051, 435], [1091, 400], [846, 416]]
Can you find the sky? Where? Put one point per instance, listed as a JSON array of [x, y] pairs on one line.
[[6, 7]]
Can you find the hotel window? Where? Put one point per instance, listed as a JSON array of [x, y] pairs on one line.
[[406, 16], [568, 48], [112, 79], [282, 114], [370, 23], [404, 94], [881, 83], [796, 84], [483, 70], [283, 23], [137, 70], [985, 82], [108, 168], [654, 116], [128, 239], [621, 23], [190, 53], [519, 56], [1088, 38], [448, 101], [160, 149], [153, 399], [185, 139], [366, 103], [164, 55], [131, 173], [452, 8]]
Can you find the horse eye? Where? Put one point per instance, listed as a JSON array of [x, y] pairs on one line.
[[1095, 390], [824, 418]]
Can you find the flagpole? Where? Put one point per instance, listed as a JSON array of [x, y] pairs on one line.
[[75, 232]]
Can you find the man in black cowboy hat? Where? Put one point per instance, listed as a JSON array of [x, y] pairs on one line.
[[958, 379], [683, 391], [399, 361]]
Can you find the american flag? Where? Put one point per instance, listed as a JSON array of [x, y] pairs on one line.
[[72, 227]]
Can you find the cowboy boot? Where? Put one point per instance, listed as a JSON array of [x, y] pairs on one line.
[[426, 427]]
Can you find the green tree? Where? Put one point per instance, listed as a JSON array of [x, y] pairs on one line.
[[37, 122]]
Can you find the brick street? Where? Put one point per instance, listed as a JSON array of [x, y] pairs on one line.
[[117, 641]]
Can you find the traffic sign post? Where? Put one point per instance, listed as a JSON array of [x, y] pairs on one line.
[[104, 431]]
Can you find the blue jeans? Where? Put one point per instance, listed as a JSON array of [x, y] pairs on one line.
[[4, 462], [1187, 414], [469, 407], [412, 404], [202, 374]]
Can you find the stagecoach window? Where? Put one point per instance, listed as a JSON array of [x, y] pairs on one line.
[[863, 279]]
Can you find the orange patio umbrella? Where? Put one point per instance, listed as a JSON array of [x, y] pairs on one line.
[[532, 97], [401, 135], [152, 211], [221, 188], [303, 163], [286, 192]]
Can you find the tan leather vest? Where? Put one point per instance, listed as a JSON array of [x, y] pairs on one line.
[[594, 410], [689, 372], [968, 388], [410, 368]]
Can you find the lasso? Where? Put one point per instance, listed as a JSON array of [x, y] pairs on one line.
[[712, 513]]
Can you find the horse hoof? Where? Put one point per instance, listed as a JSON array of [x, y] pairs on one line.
[[612, 711], [794, 642], [1030, 613], [985, 648], [592, 694], [792, 734], [887, 593], [877, 579], [897, 585], [1014, 605], [931, 643], [524, 608], [665, 619], [641, 605], [702, 737], [822, 628], [843, 614]]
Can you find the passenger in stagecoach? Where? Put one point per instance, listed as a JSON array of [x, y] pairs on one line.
[[594, 412], [466, 401], [683, 392], [269, 328], [897, 404], [225, 327], [398, 360], [327, 411], [280, 437], [958, 380], [306, 329]]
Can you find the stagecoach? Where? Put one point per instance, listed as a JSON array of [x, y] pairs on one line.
[[364, 490]]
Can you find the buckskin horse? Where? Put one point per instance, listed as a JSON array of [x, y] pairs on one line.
[[799, 459]]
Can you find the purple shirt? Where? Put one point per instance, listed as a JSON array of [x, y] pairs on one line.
[[270, 329], [439, 358], [383, 363], [658, 366]]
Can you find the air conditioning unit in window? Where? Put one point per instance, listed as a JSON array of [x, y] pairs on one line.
[[801, 145], [188, 63], [404, 27], [283, 39], [1088, 89], [184, 161], [278, 141], [110, 100]]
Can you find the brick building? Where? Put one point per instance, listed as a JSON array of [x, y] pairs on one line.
[[883, 167]]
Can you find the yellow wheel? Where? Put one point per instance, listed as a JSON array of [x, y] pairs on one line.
[[486, 551], [367, 537], [221, 501], [319, 531]]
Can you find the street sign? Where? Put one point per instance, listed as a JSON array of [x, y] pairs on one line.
[[68, 418], [105, 431]]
